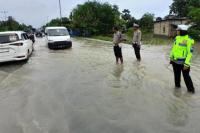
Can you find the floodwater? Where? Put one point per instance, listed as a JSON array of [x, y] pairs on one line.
[[82, 90]]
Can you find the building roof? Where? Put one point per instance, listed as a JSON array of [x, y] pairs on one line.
[[171, 19]]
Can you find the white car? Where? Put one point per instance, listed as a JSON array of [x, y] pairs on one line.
[[58, 38], [15, 46]]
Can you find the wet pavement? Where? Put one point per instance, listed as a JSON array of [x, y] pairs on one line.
[[82, 90]]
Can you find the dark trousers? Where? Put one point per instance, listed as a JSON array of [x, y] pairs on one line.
[[137, 51], [118, 53], [186, 75]]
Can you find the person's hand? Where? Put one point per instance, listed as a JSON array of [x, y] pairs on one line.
[[185, 68]]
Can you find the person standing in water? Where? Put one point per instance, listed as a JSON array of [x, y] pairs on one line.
[[137, 36], [181, 56], [117, 39]]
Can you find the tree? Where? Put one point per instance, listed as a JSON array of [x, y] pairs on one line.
[[11, 25], [194, 15], [95, 17], [117, 21], [158, 19], [126, 15], [147, 22], [131, 22], [181, 8], [128, 19], [56, 22]]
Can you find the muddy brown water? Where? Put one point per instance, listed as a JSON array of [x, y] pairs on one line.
[[82, 90]]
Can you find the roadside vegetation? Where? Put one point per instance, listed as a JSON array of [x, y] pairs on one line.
[[190, 9], [95, 19], [147, 38], [12, 25], [98, 19]]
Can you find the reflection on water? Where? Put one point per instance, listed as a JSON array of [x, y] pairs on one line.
[[117, 72]]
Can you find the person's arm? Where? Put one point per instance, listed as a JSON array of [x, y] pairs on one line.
[[189, 53], [172, 51], [139, 37], [115, 41]]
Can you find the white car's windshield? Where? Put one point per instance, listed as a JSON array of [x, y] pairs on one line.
[[57, 32], [7, 38]]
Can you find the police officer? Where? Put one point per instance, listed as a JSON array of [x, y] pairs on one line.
[[117, 39], [137, 35], [180, 57]]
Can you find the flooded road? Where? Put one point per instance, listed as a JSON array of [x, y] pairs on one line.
[[82, 90]]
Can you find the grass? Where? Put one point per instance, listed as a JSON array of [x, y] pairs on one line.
[[103, 37], [147, 38]]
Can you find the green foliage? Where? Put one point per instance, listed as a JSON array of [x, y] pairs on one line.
[[96, 17], [128, 19], [181, 8], [117, 20], [194, 32], [194, 15], [126, 15], [57, 22], [148, 38], [105, 37], [147, 22], [12, 25]]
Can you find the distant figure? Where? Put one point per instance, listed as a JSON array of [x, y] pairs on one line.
[[32, 37], [137, 35], [180, 58], [117, 39]]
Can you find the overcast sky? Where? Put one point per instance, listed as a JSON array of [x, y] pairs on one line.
[[38, 12]]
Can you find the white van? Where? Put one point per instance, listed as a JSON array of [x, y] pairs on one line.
[[58, 38], [15, 46]]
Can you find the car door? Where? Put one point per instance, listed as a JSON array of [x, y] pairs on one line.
[[27, 42], [30, 43]]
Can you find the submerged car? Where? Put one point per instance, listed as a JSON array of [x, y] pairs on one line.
[[58, 38], [15, 46]]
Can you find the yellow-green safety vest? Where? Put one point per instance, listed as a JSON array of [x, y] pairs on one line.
[[182, 50]]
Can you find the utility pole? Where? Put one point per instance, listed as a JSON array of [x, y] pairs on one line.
[[5, 14], [47, 20], [5, 17], [60, 11]]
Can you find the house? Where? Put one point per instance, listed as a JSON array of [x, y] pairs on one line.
[[167, 27]]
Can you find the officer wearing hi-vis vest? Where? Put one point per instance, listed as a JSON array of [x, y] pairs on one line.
[[180, 57]]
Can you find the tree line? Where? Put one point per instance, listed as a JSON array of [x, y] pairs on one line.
[[99, 18], [12, 25]]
